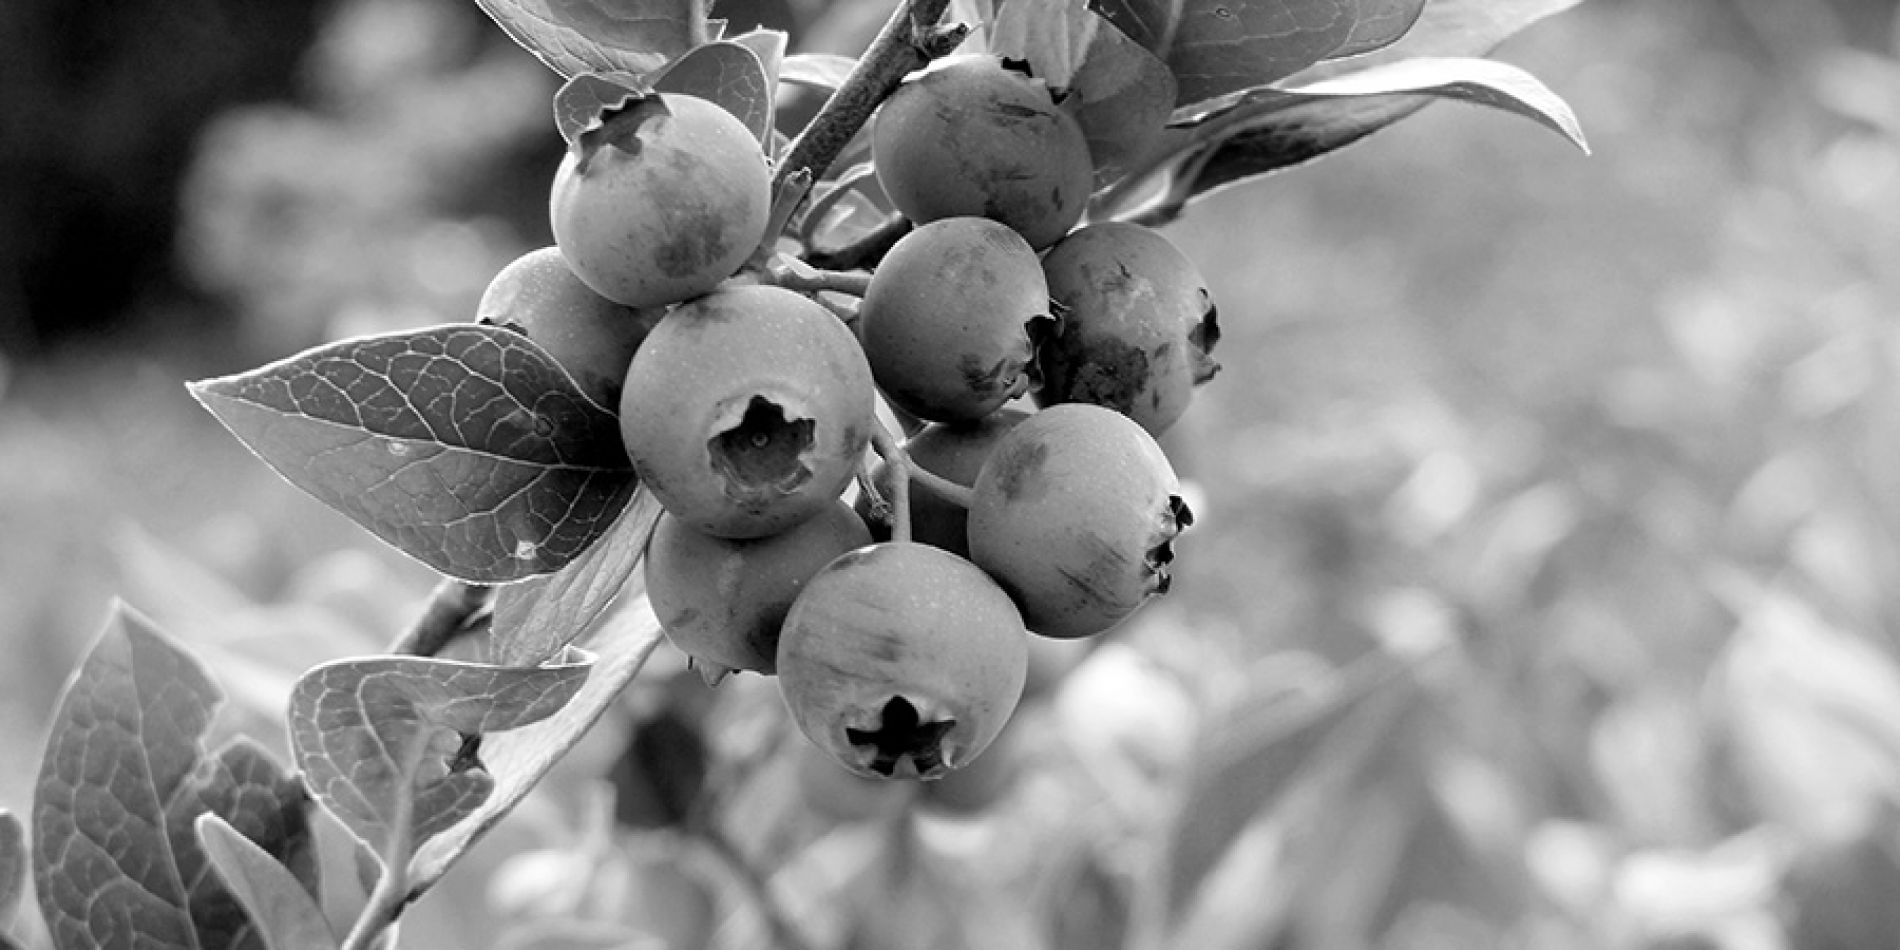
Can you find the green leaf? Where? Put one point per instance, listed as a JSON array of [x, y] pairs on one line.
[[1380, 23], [12, 866], [518, 758], [465, 446], [1052, 36], [1121, 96], [1222, 46], [1458, 28], [535, 618], [602, 36], [283, 911], [124, 778], [1276, 128], [1245, 765], [583, 103], [1150, 23], [825, 71], [393, 745], [731, 74]]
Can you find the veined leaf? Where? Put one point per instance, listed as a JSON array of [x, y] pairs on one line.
[[1121, 96], [1380, 23], [285, 914], [731, 74], [825, 71], [125, 776], [393, 745], [518, 758], [1457, 28], [1052, 36], [1271, 129], [1222, 46], [465, 446], [602, 36], [535, 618]]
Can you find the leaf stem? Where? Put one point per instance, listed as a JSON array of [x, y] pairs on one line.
[[908, 41], [451, 606]]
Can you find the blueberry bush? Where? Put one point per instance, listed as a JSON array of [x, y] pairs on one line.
[[965, 241]]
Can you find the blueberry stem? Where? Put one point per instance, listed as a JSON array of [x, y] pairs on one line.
[[887, 446], [908, 41], [793, 274]]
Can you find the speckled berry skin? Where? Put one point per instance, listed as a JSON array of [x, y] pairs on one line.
[[902, 660], [1075, 513], [593, 338], [721, 601], [662, 202], [968, 136], [952, 318], [746, 411], [1137, 324]]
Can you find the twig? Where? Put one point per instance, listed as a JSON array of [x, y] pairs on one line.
[[451, 606], [907, 42]]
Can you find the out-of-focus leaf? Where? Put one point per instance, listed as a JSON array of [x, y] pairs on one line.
[[285, 914], [600, 36], [1052, 36], [1380, 23], [536, 617], [12, 866], [1812, 713], [1121, 96], [728, 73], [392, 744], [825, 71], [1223, 46], [583, 103], [115, 859], [1090, 911], [1247, 763], [465, 446], [1271, 129], [517, 759], [556, 934]]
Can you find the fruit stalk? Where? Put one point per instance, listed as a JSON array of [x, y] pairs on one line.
[[902, 470], [908, 41]]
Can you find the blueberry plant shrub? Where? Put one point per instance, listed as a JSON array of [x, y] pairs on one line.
[[866, 407]]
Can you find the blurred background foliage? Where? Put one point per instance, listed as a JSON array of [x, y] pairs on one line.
[[1543, 593]]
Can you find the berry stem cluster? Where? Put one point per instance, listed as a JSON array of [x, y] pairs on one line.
[[909, 40]]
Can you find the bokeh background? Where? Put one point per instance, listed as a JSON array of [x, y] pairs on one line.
[[1601, 454]]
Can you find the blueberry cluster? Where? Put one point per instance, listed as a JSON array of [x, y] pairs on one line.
[[1032, 361]]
